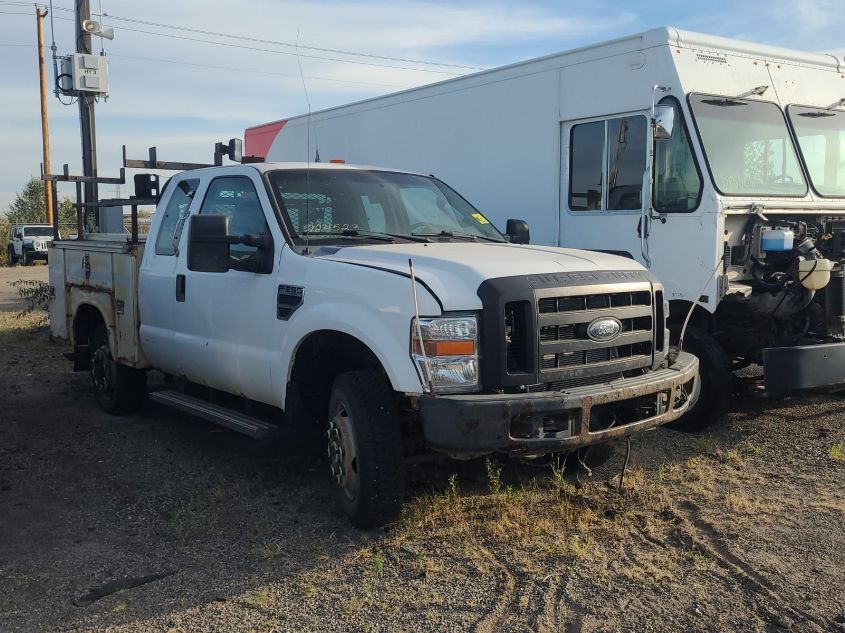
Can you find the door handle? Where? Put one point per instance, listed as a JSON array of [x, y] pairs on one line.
[[180, 287]]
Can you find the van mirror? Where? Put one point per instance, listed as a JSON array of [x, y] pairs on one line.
[[663, 122], [517, 232], [208, 243]]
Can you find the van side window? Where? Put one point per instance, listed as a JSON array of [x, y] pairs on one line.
[[677, 180], [607, 164], [235, 197], [175, 214]]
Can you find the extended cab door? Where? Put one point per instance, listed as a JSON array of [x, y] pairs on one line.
[[230, 326], [161, 290]]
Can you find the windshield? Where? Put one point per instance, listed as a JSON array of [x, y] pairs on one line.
[[821, 138], [748, 147], [38, 231], [332, 204]]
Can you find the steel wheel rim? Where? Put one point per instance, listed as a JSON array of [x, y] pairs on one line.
[[101, 371], [343, 451]]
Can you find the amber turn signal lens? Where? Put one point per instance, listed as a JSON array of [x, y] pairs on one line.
[[446, 348]]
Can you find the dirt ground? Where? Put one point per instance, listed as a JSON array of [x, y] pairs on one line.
[[161, 522], [8, 295]]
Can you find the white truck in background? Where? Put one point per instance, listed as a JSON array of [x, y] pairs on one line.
[[377, 303], [737, 204], [28, 243]]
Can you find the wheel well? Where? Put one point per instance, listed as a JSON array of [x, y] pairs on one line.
[[85, 322], [678, 310], [319, 358]]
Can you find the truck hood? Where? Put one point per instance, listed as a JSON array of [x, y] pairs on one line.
[[454, 271]]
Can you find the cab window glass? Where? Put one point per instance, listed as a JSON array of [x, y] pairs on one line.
[[607, 163], [677, 182], [236, 198], [175, 214]]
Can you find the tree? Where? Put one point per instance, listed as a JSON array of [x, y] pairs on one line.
[[29, 206]]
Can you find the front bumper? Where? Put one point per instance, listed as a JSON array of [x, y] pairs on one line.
[[804, 367], [555, 421]]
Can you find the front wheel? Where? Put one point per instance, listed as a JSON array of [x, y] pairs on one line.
[[27, 257], [716, 382], [365, 448], [118, 388]]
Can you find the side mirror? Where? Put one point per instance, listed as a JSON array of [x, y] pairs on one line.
[[208, 243], [146, 185], [517, 231], [663, 122]]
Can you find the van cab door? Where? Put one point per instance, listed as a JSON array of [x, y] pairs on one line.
[[230, 334]]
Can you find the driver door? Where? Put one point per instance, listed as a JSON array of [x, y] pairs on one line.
[[231, 325]]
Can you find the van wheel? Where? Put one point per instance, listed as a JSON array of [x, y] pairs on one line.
[[716, 382], [11, 259], [365, 448], [118, 388]]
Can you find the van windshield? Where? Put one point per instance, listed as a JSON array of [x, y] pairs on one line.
[[335, 204], [821, 138], [748, 147]]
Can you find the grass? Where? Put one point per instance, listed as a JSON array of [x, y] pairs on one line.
[[837, 452]]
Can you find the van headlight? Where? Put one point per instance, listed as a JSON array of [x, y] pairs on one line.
[[448, 353]]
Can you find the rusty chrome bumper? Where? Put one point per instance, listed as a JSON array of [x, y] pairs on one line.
[[555, 421]]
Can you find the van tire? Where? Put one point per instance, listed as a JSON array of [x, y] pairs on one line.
[[365, 448], [118, 388], [716, 382]]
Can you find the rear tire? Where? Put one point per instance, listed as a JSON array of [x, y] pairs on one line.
[[716, 382], [119, 389], [365, 448], [11, 258]]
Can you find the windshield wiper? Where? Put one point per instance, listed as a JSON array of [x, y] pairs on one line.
[[458, 234], [363, 234]]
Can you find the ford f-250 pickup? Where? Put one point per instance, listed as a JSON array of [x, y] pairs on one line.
[[380, 302]]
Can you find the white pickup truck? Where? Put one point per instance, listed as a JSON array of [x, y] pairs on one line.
[[381, 303], [28, 242]]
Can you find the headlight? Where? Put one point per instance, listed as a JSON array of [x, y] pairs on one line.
[[448, 353]]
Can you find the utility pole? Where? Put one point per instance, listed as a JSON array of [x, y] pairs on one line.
[[86, 110], [45, 128]]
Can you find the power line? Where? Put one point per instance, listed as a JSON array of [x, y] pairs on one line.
[[270, 42], [267, 50], [291, 45]]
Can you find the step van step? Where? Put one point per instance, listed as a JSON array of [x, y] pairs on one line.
[[231, 419]]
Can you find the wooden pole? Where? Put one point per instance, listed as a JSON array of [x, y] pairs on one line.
[[45, 128]]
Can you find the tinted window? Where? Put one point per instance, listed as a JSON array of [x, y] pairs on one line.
[[607, 164], [177, 209], [586, 172], [235, 197], [677, 183], [626, 143]]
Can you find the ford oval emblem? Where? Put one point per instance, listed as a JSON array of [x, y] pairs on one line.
[[604, 329]]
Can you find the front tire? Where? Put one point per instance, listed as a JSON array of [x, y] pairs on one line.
[[365, 448], [716, 382], [27, 258], [119, 389]]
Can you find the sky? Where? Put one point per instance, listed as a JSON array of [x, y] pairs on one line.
[[182, 91]]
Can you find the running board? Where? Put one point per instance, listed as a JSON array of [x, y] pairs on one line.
[[235, 420]]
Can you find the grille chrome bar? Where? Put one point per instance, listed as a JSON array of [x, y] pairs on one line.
[[551, 347], [585, 316]]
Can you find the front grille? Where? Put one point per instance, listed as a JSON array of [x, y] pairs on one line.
[[568, 355]]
